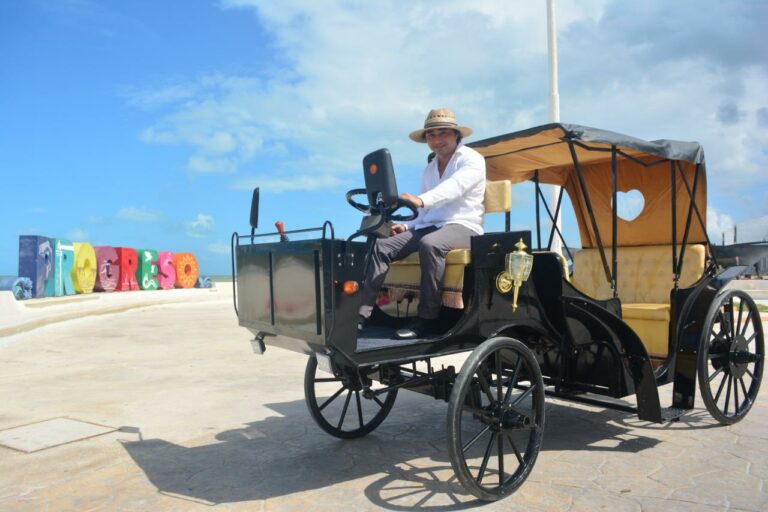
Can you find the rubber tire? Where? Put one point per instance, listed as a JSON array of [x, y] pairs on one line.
[[703, 358], [314, 408], [455, 407]]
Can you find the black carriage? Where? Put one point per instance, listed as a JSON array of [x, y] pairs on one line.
[[641, 304]]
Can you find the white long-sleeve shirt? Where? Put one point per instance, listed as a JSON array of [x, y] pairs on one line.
[[456, 197]]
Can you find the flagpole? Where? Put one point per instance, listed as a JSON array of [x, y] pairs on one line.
[[554, 107]]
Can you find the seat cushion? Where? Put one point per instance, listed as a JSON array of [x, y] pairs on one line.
[[653, 333], [407, 272], [646, 311], [454, 257], [651, 324]]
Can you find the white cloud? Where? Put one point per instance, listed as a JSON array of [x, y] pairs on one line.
[[161, 96], [753, 230], [201, 227], [77, 235], [353, 77], [719, 225], [220, 248], [137, 214], [302, 182]]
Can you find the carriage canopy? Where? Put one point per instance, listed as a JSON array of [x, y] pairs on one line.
[[665, 172]]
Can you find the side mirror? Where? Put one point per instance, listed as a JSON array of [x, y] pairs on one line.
[[255, 210]]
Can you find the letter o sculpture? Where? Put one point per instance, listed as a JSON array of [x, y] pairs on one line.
[[186, 269], [84, 271]]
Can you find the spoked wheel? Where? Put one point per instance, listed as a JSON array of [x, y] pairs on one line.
[[345, 406], [496, 418], [730, 360]]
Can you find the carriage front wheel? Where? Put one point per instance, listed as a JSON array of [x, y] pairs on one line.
[[496, 418], [731, 354], [346, 405]]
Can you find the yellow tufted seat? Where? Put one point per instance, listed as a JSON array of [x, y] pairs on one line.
[[404, 276], [644, 284]]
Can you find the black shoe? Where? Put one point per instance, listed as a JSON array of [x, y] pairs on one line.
[[417, 329]]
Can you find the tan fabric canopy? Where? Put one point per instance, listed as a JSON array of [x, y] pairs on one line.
[[546, 149]]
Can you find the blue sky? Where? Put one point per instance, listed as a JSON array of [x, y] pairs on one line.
[[147, 123]]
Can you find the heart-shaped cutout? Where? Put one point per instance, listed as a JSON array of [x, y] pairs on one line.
[[630, 204]]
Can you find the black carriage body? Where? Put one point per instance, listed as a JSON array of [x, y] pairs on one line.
[[289, 294]]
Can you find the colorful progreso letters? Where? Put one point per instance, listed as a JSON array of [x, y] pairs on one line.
[[107, 269], [128, 261], [166, 272], [36, 261], [186, 269], [59, 267], [147, 269], [63, 261], [85, 268]]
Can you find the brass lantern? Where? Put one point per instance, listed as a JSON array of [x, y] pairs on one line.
[[517, 268]]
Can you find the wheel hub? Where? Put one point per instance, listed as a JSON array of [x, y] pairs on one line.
[[513, 419], [503, 417], [739, 357]]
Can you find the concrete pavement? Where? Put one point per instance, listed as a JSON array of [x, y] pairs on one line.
[[204, 423], [22, 315]]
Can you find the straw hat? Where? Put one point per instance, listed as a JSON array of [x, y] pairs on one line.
[[439, 118]]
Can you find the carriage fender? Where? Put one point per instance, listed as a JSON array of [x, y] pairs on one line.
[[692, 317], [520, 330], [636, 358]]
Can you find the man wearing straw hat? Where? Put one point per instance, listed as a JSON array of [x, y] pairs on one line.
[[450, 212]]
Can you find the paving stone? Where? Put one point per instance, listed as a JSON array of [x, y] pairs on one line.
[[49, 433]]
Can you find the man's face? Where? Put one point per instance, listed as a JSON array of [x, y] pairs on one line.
[[442, 141]]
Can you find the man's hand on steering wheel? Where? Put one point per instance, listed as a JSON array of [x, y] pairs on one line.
[[407, 201], [397, 228], [414, 200]]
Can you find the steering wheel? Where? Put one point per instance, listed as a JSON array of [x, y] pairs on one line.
[[365, 208], [388, 212]]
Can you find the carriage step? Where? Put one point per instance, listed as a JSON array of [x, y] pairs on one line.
[[671, 414]]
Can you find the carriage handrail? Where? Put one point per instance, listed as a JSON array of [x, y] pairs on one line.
[[234, 241]]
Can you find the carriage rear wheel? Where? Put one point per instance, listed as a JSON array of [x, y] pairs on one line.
[[496, 418], [730, 360], [345, 406]]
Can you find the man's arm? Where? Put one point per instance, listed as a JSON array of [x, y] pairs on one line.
[[417, 203]]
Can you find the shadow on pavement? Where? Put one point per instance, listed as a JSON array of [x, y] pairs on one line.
[[403, 465]]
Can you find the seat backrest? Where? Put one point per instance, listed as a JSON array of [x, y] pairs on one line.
[[498, 196], [645, 272]]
